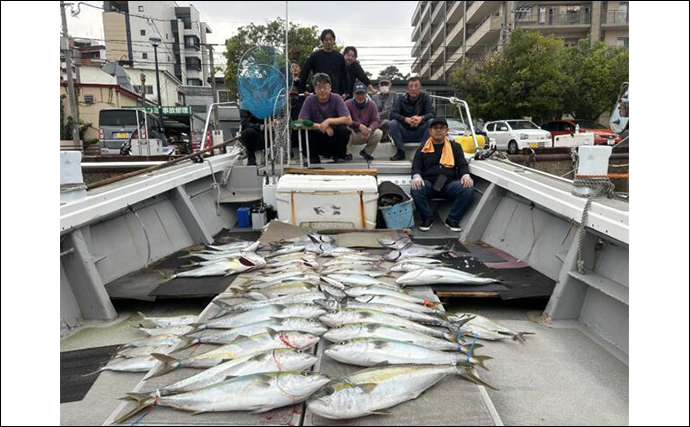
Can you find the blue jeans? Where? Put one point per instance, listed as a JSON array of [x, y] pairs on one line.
[[452, 190], [401, 134]]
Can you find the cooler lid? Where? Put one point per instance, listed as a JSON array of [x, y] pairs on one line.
[[341, 183]]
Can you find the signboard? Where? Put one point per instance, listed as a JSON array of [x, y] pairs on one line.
[[173, 110]]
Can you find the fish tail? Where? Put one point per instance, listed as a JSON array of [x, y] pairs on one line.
[[138, 397], [188, 342], [169, 365], [197, 328], [519, 336], [481, 360], [470, 347], [141, 405], [470, 374], [458, 323], [166, 277], [142, 315], [191, 264], [97, 371]]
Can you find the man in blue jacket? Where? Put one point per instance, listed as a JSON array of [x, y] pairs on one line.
[[410, 117]]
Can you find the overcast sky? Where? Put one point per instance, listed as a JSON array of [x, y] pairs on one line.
[[379, 30]]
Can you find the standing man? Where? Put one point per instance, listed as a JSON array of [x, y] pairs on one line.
[[384, 101], [439, 169], [330, 132], [355, 71], [410, 117], [327, 61], [365, 122]]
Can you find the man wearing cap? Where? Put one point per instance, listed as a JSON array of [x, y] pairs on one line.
[[410, 117], [330, 132], [439, 169], [384, 101], [365, 122]]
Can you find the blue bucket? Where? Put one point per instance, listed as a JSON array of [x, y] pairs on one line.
[[244, 217], [398, 216]]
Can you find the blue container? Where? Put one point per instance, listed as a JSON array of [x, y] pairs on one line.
[[398, 216], [244, 218]]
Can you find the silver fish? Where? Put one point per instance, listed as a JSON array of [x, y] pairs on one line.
[[257, 393], [307, 311], [132, 364], [241, 347], [423, 318], [171, 330], [278, 324], [485, 328], [358, 291], [430, 307], [128, 353], [360, 280], [164, 322], [370, 352], [395, 244], [441, 275], [307, 297], [274, 360], [235, 246], [351, 315], [372, 391], [413, 251], [223, 267], [360, 272], [158, 340]]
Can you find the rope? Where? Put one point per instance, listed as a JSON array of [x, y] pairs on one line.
[[607, 176], [146, 234], [469, 352], [602, 187]]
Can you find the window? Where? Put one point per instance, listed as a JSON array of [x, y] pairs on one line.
[[180, 97], [223, 96], [166, 36], [194, 82], [145, 55], [88, 99], [149, 89], [141, 8], [623, 42], [143, 32], [490, 127]]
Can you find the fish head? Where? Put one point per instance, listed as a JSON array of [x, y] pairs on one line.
[[350, 349], [293, 360], [312, 326], [334, 318], [298, 340], [336, 399], [392, 255], [343, 332], [300, 384]]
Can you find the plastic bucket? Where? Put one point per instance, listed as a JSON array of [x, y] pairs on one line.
[[244, 218], [398, 216]]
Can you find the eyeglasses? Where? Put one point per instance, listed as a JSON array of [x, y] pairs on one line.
[[324, 86]]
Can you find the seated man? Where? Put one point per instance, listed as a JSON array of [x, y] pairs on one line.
[[365, 122], [252, 135], [410, 117], [384, 101], [330, 133], [439, 169]]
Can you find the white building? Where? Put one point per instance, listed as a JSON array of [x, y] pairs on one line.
[[127, 26]]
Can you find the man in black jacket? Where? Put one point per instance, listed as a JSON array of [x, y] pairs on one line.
[[326, 61], [439, 169], [410, 117], [252, 135]]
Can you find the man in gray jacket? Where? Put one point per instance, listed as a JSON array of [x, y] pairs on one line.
[[384, 100], [411, 117]]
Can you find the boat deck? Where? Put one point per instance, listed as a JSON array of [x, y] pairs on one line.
[[559, 376]]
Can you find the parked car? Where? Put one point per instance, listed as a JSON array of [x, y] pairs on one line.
[[514, 135], [602, 135]]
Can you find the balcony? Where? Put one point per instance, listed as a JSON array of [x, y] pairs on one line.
[[416, 66], [485, 34], [558, 21], [192, 42], [416, 49], [613, 19], [193, 63], [455, 12], [437, 12], [437, 33], [417, 14], [415, 33]]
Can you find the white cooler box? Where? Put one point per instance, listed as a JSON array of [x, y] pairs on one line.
[[328, 201]]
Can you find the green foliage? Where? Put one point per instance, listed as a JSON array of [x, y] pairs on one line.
[[302, 42], [391, 72], [67, 123], [537, 76]]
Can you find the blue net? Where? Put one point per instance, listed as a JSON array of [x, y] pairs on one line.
[[261, 80]]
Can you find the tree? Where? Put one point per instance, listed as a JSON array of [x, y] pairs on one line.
[[597, 71], [67, 123], [391, 72], [538, 76], [302, 42]]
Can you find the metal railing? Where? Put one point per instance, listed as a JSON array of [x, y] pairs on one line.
[[567, 18], [615, 17]]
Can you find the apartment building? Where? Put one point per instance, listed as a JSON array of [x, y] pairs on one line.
[[127, 26], [446, 31]]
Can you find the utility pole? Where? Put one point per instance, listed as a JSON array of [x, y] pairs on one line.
[[142, 76], [216, 124], [70, 81]]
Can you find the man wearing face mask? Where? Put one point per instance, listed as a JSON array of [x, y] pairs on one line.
[[365, 122], [326, 61], [355, 71], [384, 101]]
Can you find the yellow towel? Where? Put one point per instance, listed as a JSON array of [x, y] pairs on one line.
[[447, 158]]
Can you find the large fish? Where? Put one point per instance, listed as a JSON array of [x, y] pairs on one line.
[[128, 353], [370, 352], [356, 270], [257, 393], [414, 251], [442, 275], [237, 246], [227, 336], [395, 243], [157, 340], [358, 291], [351, 315], [310, 238], [242, 346], [372, 391], [305, 277], [307, 311], [275, 291], [360, 280], [132, 364], [350, 331], [424, 307], [170, 330], [354, 257], [426, 319], [485, 328], [223, 267], [274, 360], [305, 298], [164, 322]]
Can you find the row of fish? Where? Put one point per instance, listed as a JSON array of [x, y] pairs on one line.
[[262, 359]]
